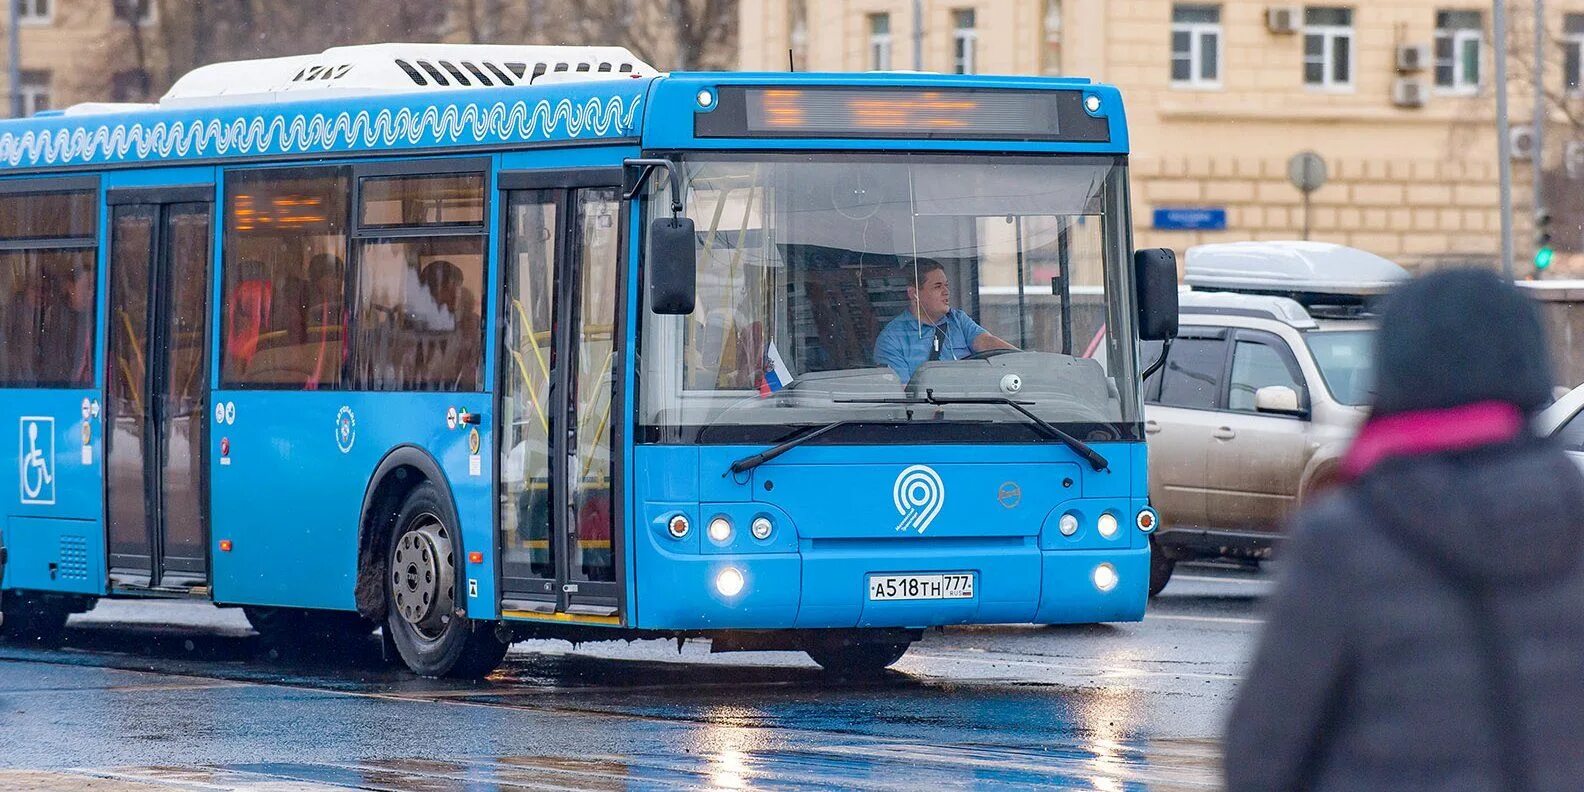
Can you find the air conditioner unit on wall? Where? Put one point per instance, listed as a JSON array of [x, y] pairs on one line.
[[1409, 92], [1412, 57], [1282, 19], [1522, 138]]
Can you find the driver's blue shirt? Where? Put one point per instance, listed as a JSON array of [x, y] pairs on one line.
[[905, 342]]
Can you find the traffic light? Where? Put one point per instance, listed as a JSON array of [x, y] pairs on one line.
[[1542, 238]]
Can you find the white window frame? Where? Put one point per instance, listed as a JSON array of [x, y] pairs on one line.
[[32, 93], [965, 43], [1460, 37], [1197, 32], [35, 12], [1329, 35], [1574, 41], [880, 49]]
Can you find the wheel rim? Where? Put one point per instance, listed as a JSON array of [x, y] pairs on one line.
[[423, 590]]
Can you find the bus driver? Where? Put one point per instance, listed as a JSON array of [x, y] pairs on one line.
[[931, 329]]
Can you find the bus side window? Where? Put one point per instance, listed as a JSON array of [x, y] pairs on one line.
[[48, 291], [285, 281], [419, 303]]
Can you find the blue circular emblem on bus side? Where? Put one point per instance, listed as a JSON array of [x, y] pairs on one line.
[[346, 429]]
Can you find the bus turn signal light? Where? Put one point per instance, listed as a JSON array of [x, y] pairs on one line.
[[225, 545], [475, 557]]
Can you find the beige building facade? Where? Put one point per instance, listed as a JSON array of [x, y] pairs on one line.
[[1395, 96]]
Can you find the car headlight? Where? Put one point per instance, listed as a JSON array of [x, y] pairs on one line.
[[1068, 524], [720, 529], [1105, 577], [729, 582]]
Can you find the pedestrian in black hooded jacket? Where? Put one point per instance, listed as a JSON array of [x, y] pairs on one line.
[[1428, 629]]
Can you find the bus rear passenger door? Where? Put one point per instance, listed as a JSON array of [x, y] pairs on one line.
[[157, 389], [559, 541]]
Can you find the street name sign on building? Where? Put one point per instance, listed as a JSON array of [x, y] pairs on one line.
[[1192, 218]]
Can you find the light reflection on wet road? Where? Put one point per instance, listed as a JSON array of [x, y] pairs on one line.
[[184, 697]]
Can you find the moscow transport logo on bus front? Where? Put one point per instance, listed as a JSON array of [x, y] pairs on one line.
[[919, 495]]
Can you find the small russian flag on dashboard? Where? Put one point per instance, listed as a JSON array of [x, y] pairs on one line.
[[776, 375]]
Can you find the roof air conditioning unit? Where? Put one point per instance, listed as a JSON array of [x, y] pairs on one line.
[[1282, 19], [1409, 92], [1412, 57], [1522, 138]]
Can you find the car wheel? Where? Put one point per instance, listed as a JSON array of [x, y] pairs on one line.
[[1161, 568], [856, 659], [32, 619], [426, 622]]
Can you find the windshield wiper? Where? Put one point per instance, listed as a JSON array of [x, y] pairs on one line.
[[755, 460], [1083, 449]]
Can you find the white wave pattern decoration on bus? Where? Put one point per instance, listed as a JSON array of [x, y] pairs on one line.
[[308, 133]]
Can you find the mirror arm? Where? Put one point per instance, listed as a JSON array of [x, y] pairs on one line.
[[649, 166], [1160, 361]]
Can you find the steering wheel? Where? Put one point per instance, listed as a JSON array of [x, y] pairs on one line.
[[990, 353]]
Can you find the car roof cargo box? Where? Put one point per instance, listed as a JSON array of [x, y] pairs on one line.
[[1312, 273]]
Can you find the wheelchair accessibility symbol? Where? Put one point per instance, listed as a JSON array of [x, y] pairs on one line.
[[37, 455]]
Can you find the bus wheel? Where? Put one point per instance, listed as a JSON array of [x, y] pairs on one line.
[[855, 659], [1161, 568], [32, 619], [431, 632]]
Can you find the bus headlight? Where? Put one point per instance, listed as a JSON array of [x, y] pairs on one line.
[[1068, 524], [760, 528], [678, 526], [720, 529], [729, 582], [1105, 577], [1107, 525]]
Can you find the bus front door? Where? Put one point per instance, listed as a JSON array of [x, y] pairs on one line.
[[157, 389], [561, 550]]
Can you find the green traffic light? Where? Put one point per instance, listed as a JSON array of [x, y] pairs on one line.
[[1543, 258]]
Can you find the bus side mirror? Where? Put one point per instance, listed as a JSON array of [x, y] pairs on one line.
[[673, 266], [1155, 271]]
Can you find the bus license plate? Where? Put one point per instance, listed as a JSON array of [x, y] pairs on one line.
[[921, 587]]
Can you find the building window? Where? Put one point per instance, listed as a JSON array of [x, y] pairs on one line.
[[797, 33], [1051, 53], [965, 42], [880, 42], [1196, 46], [140, 12], [1458, 37], [35, 12], [1328, 47], [1573, 53], [129, 86], [35, 89]]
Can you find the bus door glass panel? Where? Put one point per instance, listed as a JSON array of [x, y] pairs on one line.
[[1257, 458], [183, 409], [129, 408], [591, 542], [1179, 423], [527, 413], [156, 395]]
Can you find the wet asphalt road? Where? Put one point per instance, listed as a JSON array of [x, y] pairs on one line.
[[180, 696]]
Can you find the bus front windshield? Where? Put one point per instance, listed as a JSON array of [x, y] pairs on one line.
[[886, 290]]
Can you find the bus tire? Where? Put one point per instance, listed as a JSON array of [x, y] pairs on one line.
[[424, 615], [1161, 568], [855, 659], [32, 619]]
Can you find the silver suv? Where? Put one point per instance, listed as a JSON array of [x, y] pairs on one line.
[[1258, 396]]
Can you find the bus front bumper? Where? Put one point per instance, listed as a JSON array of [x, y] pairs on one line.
[[828, 587]]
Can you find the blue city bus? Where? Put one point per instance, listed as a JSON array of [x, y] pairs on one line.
[[512, 348]]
